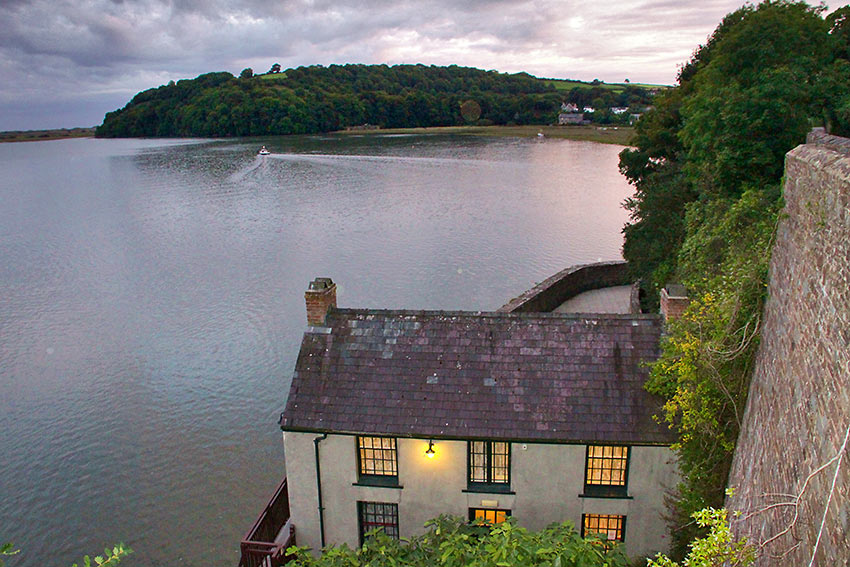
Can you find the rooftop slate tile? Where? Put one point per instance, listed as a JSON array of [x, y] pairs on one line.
[[545, 377]]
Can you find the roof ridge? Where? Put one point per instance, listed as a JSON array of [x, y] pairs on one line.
[[493, 314]]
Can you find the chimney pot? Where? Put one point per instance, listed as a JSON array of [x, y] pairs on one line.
[[320, 298]]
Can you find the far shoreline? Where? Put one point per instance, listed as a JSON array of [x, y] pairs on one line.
[[619, 135], [45, 135]]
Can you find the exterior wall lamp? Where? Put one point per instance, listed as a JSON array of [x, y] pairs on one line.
[[429, 452]]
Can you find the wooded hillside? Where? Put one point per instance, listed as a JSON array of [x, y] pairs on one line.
[[322, 99]]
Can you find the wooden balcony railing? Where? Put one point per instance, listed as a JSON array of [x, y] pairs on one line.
[[266, 543]]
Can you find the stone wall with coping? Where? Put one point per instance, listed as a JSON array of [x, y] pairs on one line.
[[794, 438], [555, 290]]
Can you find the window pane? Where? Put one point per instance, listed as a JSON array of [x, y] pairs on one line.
[[489, 515], [378, 456], [500, 462], [608, 526], [477, 461], [378, 515], [606, 465], [489, 462]]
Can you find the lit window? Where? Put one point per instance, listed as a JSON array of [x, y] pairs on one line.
[[607, 468], [609, 526], [377, 460], [489, 463], [377, 516], [489, 515]]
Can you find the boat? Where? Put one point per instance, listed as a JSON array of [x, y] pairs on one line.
[[540, 135], [263, 151]]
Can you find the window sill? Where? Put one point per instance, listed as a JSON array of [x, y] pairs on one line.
[[377, 484], [607, 496], [489, 489]]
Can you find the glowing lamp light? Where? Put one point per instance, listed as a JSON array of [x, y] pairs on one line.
[[430, 451]]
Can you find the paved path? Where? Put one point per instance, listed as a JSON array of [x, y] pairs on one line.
[[606, 300]]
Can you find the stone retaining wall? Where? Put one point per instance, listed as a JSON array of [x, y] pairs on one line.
[[553, 291], [794, 437]]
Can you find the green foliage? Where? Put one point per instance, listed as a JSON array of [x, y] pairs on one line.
[[451, 542], [707, 167], [718, 547], [704, 370], [832, 88], [6, 550], [110, 557], [750, 102], [321, 99]]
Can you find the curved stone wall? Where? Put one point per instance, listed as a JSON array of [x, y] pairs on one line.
[[555, 290]]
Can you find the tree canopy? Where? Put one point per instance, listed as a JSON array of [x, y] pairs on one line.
[[452, 542], [315, 99], [707, 165]]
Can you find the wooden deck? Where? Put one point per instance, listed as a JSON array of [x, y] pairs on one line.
[[266, 543]]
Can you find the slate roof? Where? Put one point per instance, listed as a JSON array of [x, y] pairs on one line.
[[544, 377]]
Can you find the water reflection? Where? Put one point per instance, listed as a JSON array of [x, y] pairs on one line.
[[152, 306]]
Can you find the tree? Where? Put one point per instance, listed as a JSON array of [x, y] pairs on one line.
[[275, 68], [314, 99], [470, 110], [452, 542], [707, 164], [718, 547], [247, 73]]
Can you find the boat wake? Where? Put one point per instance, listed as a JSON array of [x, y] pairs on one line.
[[248, 170]]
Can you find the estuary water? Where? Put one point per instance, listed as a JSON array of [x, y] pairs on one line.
[[151, 306]]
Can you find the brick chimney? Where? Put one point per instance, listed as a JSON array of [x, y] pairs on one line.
[[320, 298], [674, 301]]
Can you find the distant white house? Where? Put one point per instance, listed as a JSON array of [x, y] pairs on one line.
[[569, 107], [619, 109], [588, 109]]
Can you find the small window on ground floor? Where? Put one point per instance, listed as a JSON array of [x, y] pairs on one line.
[[377, 515], [490, 515], [610, 526]]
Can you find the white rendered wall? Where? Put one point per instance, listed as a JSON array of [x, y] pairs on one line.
[[547, 481]]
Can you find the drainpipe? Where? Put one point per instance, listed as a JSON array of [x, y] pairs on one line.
[[316, 442]]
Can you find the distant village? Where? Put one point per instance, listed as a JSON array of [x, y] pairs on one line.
[[571, 113]]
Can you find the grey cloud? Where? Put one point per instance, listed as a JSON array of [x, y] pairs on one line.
[[73, 49]]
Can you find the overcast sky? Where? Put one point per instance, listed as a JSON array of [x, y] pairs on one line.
[[65, 63]]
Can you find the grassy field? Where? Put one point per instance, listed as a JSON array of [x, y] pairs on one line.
[[43, 135], [567, 85], [606, 135]]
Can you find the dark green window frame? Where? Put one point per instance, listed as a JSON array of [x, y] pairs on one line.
[[377, 460], [610, 526], [489, 512], [377, 515], [606, 471], [488, 466]]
